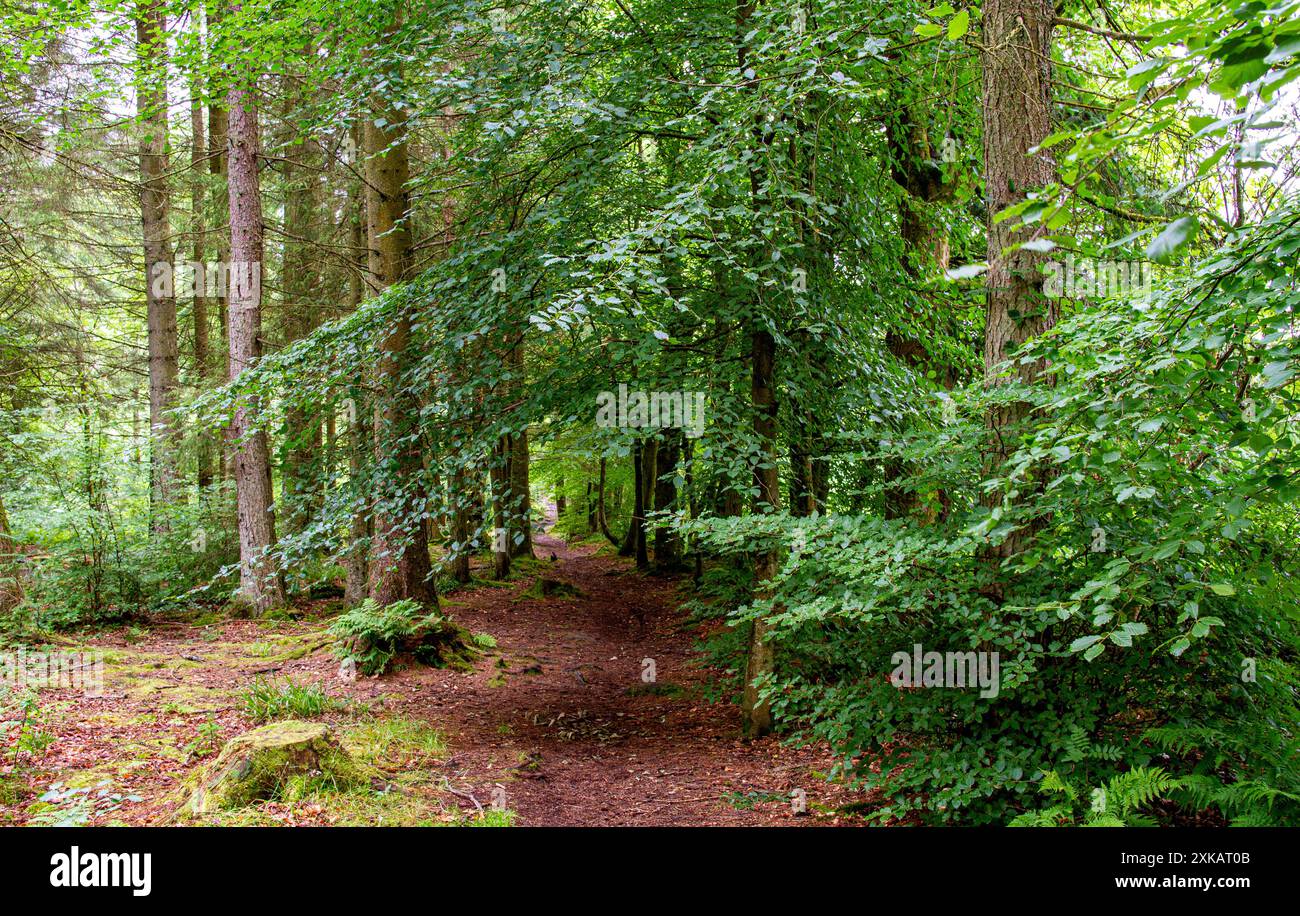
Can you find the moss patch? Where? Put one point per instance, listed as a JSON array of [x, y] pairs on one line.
[[260, 764]]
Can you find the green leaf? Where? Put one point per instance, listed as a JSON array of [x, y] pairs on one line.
[[1084, 642], [959, 25], [1172, 239]]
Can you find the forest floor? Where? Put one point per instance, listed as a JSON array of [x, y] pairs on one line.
[[556, 724]]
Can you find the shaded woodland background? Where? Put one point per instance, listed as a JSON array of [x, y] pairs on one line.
[[990, 309]]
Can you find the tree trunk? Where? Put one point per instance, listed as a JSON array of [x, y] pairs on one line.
[[757, 713], [520, 498], [1017, 117], [218, 165], [6, 538], [400, 566], [646, 499], [601, 520], [628, 548], [260, 581], [198, 231], [500, 483], [668, 548], [160, 294]]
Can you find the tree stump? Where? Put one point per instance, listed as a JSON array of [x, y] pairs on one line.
[[257, 764]]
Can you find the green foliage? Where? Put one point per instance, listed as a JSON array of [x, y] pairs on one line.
[[1249, 771], [265, 701], [22, 722], [371, 636], [76, 806], [208, 738], [1117, 803]]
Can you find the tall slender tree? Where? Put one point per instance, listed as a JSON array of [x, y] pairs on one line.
[[261, 584], [399, 566], [155, 218], [203, 362]]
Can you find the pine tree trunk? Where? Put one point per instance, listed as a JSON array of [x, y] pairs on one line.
[[218, 165], [260, 582], [160, 294], [198, 232]]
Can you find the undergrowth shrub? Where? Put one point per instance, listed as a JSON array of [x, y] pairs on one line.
[[265, 701], [372, 636]]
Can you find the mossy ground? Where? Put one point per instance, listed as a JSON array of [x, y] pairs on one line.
[[399, 755], [176, 692]]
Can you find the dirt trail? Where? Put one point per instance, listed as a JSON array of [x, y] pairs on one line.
[[561, 719], [589, 740]]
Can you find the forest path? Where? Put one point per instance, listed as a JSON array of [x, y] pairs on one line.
[[576, 736]]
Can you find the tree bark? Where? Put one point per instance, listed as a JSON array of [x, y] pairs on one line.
[[628, 547], [198, 231], [260, 580], [400, 567], [218, 166], [757, 712], [520, 497], [500, 485], [601, 520], [1017, 117], [160, 294], [668, 547]]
